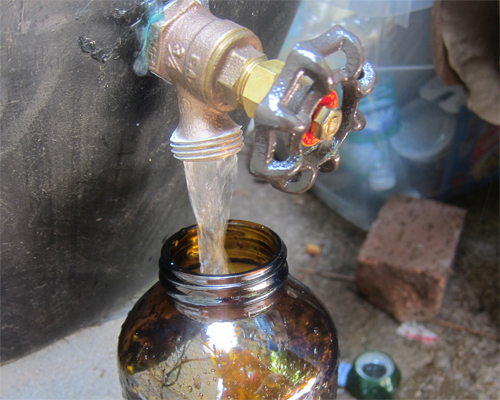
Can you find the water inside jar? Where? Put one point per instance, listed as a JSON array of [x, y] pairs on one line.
[[246, 245]]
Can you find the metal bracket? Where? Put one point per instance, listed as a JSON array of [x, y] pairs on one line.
[[288, 107]]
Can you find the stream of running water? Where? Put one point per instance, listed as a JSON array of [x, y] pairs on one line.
[[210, 186]]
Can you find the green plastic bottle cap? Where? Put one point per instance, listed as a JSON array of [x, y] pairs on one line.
[[374, 375]]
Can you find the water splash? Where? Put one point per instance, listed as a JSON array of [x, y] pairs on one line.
[[210, 186]]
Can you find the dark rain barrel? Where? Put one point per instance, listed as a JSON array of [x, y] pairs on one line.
[[89, 188]]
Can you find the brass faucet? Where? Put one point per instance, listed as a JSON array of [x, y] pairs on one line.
[[217, 65]]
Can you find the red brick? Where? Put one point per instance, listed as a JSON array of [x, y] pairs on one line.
[[404, 263]]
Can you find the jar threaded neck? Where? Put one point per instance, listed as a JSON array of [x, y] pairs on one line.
[[256, 250]]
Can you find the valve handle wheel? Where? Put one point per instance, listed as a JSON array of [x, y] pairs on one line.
[[288, 107]]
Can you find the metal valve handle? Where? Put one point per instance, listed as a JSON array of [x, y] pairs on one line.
[[288, 107]]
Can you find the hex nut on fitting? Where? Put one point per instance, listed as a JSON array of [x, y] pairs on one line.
[[326, 123], [259, 83], [238, 63]]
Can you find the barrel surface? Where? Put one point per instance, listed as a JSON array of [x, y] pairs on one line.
[[89, 188]]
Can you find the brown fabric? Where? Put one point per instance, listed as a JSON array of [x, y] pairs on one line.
[[465, 39], [440, 55]]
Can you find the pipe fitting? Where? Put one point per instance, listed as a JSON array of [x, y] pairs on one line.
[[203, 57], [193, 49], [256, 84]]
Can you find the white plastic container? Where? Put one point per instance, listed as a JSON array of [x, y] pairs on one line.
[[423, 142]]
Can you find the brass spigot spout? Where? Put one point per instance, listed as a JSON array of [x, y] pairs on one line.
[[204, 58], [203, 133]]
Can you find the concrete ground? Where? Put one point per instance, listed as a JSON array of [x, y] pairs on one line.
[[460, 365]]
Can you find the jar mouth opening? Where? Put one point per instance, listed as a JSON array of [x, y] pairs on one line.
[[256, 252], [250, 247]]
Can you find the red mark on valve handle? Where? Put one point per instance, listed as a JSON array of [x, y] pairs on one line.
[[330, 101], [309, 139]]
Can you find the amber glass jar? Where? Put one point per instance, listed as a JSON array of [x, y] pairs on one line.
[[255, 334]]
